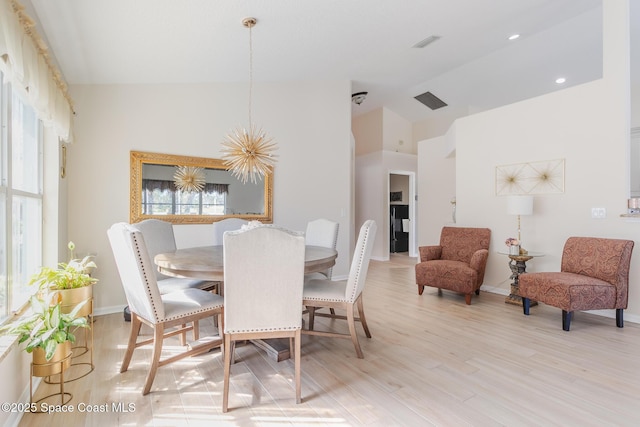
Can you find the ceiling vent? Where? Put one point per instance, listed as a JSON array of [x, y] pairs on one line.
[[431, 101], [424, 43]]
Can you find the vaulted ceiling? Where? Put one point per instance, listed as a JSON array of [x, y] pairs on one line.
[[471, 66]]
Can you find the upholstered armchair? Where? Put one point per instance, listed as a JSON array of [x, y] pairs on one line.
[[594, 275], [457, 264]]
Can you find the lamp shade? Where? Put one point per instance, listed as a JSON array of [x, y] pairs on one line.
[[520, 205]]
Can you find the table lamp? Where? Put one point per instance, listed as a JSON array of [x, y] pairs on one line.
[[520, 205]]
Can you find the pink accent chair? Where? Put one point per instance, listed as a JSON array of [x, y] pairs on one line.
[[594, 275], [457, 264]]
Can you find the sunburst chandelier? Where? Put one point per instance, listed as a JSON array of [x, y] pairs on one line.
[[189, 178], [248, 154]]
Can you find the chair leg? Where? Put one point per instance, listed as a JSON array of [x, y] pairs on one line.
[[351, 321], [566, 320], [133, 337], [158, 338], [526, 304], [312, 313], [467, 299], [332, 311], [478, 291], [420, 289], [227, 371], [219, 321], [297, 340], [183, 335], [363, 320], [196, 330], [619, 318]]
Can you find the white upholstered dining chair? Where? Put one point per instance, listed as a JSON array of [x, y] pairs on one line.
[[263, 276], [346, 294], [159, 238], [321, 232], [167, 314], [227, 224]]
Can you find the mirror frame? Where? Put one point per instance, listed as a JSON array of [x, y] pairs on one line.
[[139, 158]]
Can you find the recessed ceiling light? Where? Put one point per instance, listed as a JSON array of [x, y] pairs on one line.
[[560, 80], [514, 36]]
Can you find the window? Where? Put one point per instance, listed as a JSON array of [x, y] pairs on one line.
[[20, 199], [160, 197]]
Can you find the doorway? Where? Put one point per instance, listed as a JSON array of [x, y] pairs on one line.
[[401, 211]]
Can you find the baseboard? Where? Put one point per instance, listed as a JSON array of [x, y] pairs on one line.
[[109, 310]]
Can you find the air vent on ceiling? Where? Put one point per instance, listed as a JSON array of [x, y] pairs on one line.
[[426, 42], [431, 101]]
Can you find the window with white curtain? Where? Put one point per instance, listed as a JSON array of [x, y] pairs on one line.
[[21, 187], [161, 197]]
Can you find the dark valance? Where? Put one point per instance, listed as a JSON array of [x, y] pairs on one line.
[[164, 185], [210, 187]]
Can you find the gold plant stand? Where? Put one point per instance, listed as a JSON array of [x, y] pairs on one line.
[[60, 364], [81, 350]]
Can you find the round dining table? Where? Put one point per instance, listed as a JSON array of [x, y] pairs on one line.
[[206, 263]]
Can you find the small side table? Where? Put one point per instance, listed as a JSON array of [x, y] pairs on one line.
[[518, 265]]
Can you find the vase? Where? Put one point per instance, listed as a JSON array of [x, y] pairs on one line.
[[514, 250], [60, 361], [72, 297]]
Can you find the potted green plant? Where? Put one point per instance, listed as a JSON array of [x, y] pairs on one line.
[[48, 334], [71, 280]]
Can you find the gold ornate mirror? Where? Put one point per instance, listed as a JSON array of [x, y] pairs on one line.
[[154, 194]]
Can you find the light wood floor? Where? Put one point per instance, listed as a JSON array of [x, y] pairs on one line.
[[432, 361]]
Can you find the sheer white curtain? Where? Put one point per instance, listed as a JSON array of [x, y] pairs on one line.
[[26, 64]]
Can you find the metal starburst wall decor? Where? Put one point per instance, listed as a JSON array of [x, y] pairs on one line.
[[248, 154], [189, 178], [543, 177]]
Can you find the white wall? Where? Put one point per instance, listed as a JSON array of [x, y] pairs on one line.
[[397, 133], [368, 132], [437, 183], [371, 199], [439, 124], [311, 122]]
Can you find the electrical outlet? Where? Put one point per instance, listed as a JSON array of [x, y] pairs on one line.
[[598, 213]]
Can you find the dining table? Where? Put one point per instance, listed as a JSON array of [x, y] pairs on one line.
[[207, 263]]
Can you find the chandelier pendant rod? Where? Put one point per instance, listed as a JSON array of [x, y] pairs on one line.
[[249, 23]]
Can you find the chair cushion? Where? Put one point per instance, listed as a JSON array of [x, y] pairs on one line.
[[460, 243], [568, 291], [324, 290], [452, 275], [189, 301], [172, 284]]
